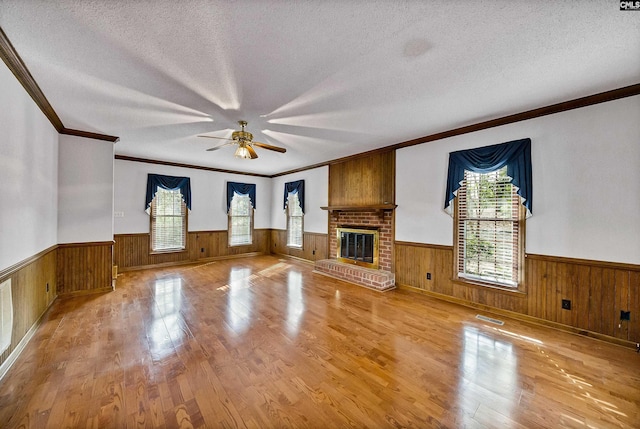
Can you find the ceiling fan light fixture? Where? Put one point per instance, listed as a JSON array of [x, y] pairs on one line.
[[242, 152], [244, 140]]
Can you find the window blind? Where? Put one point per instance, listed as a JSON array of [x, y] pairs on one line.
[[294, 221], [488, 228], [168, 221], [240, 220]]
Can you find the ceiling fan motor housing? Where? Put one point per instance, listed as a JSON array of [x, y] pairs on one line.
[[242, 136]]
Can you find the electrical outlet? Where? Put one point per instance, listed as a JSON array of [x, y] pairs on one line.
[[428, 276], [314, 252], [566, 304], [47, 287], [202, 250], [625, 315]]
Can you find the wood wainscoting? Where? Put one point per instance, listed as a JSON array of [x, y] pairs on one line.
[[314, 245], [598, 291], [84, 268], [29, 280], [132, 251]]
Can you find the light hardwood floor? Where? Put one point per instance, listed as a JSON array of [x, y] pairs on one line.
[[263, 342]]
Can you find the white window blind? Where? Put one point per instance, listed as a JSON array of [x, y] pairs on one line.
[[240, 220], [294, 221], [168, 221], [6, 316], [488, 228]]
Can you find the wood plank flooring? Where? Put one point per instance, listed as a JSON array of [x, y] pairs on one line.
[[263, 342]]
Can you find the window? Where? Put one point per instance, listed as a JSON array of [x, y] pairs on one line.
[[489, 229], [240, 220], [294, 221], [6, 316], [168, 221]]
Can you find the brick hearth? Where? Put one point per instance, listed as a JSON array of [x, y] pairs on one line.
[[373, 279], [381, 279]]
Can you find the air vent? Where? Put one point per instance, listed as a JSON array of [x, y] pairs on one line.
[[489, 319]]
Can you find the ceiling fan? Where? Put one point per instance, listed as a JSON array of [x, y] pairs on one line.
[[244, 140]]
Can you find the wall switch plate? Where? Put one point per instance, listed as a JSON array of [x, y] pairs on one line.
[[566, 304]]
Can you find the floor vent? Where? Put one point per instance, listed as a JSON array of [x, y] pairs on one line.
[[489, 319]]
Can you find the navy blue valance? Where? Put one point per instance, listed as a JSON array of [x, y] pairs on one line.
[[296, 187], [169, 183], [242, 189], [516, 155]]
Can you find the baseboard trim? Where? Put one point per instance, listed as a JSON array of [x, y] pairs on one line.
[[521, 317], [84, 292], [189, 262], [297, 258], [15, 354]]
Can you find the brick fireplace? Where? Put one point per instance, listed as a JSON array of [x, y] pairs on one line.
[[366, 219], [381, 220]]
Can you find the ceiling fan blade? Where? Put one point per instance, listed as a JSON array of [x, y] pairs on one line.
[[252, 152], [270, 147], [218, 147], [214, 137]]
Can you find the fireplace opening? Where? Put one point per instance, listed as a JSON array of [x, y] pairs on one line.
[[358, 246]]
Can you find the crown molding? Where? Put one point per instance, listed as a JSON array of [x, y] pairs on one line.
[[89, 135], [195, 167], [590, 100], [13, 61], [20, 71]]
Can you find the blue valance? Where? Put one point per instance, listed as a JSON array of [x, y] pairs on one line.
[[516, 155], [296, 187], [169, 183], [242, 189]]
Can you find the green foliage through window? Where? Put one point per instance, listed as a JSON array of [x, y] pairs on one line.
[[488, 228]]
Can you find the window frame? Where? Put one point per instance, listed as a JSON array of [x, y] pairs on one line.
[[289, 218], [152, 220], [520, 286], [230, 217]]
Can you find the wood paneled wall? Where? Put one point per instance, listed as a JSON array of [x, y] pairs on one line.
[[84, 268], [598, 290], [132, 250], [314, 245], [363, 181], [30, 297]]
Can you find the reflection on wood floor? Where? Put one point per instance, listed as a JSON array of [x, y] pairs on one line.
[[263, 342]]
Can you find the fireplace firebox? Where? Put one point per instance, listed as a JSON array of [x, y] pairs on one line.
[[358, 246]]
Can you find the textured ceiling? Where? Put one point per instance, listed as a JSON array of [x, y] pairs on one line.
[[324, 79]]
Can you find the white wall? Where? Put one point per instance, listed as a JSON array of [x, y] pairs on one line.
[[29, 172], [85, 190], [316, 185], [208, 195], [586, 183]]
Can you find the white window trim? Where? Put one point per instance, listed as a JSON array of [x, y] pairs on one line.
[[153, 217], [468, 278], [288, 211], [246, 242]]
